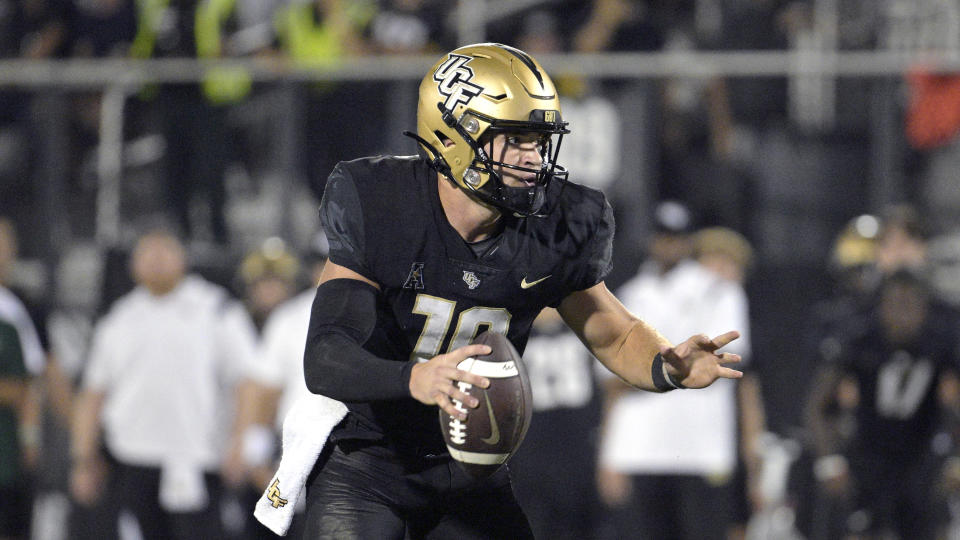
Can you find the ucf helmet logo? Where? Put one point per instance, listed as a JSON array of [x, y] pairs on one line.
[[454, 77]]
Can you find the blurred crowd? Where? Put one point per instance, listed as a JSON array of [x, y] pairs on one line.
[[161, 417], [144, 375]]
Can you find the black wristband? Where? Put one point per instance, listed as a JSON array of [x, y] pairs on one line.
[[662, 380]]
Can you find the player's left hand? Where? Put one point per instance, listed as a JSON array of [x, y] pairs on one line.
[[435, 382], [696, 362]]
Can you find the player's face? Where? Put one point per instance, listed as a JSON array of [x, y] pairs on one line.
[[521, 150]]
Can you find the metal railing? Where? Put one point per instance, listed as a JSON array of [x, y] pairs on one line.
[[98, 73], [119, 78]]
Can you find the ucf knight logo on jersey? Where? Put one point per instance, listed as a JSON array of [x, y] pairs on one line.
[[454, 77]]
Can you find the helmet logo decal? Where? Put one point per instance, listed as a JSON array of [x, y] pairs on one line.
[[454, 77]]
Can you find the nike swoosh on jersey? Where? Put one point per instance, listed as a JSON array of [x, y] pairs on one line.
[[494, 437], [524, 284]]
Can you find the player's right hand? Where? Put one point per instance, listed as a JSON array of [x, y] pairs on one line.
[[435, 382]]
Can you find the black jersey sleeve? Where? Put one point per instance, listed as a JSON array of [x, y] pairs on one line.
[[341, 216], [335, 364], [597, 260]]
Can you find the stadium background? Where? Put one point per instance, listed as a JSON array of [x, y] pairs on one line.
[[780, 119]]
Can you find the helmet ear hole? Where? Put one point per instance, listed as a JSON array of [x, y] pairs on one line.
[[447, 141]]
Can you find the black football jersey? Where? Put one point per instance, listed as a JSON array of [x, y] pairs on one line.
[[384, 220], [898, 411]]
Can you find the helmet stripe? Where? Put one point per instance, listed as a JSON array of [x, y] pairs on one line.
[[525, 58]]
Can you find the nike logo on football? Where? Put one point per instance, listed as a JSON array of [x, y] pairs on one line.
[[524, 284], [494, 437]]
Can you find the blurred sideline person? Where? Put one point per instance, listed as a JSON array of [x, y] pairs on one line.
[[327, 34], [267, 277], [553, 472], [22, 363], [902, 239], [15, 496], [482, 231], [279, 370], [879, 399], [660, 481], [43, 414], [854, 280], [724, 252], [855, 275], [78, 280], [193, 117], [272, 384], [161, 371], [729, 255]]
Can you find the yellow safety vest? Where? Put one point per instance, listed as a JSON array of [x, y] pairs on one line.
[[220, 84]]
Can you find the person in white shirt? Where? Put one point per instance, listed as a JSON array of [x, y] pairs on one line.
[[161, 371], [280, 369], [275, 381], [729, 255], [270, 387], [658, 479]]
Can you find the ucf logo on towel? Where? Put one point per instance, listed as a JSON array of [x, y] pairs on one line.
[[274, 494]]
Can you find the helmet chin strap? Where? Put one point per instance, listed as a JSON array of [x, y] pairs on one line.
[[519, 201], [513, 198], [527, 197], [437, 163]]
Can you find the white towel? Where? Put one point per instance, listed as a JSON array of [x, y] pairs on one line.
[[305, 430]]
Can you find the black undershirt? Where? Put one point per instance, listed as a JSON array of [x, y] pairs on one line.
[[482, 248]]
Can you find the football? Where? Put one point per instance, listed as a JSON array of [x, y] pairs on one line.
[[493, 431]]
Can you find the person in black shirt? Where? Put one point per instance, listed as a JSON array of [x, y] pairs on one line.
[[479, 232], [879, 400]]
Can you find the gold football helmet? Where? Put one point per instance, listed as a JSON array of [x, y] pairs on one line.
[[856, 244], [853, 256], [469, 96]]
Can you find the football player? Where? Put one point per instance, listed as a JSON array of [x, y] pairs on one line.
[[879, 410], [481, 231]]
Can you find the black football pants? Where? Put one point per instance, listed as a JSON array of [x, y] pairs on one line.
[[372, 493]]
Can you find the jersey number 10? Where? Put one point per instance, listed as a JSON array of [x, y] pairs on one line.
[[470, 323]]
